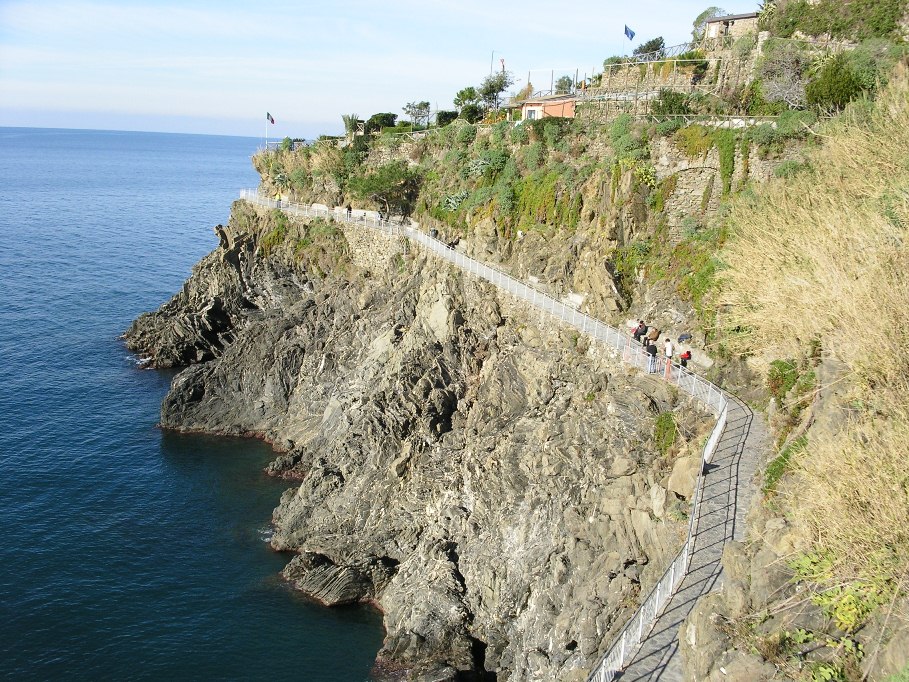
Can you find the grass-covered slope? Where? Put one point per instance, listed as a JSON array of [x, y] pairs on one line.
[[817, 267]]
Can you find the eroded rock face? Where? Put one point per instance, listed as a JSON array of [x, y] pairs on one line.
[[485, 478]]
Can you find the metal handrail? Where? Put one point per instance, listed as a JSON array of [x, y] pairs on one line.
[[625, 348]]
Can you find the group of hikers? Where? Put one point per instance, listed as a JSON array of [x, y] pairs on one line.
[[648, 337]]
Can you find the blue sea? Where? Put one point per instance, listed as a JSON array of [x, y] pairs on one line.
[[127, 552]]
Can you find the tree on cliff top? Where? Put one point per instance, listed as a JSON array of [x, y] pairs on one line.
[[493, 86], [699, 26], [466, 96], [563, 85], [418, 112], [394, 185], [654, 45], [380, 120]]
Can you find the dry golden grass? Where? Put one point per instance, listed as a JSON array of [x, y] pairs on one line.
[[824, 256], [857, 501]]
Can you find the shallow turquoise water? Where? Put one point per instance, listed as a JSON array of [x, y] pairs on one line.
[[128, 552]]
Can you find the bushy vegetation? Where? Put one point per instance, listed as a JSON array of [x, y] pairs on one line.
[[317, 246], [829, 251], [853, 20], [665, 432]]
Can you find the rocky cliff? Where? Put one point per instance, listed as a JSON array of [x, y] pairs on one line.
[[489, 480]]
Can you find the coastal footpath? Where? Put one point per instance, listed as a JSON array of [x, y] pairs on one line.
[[507, 494], [489, 480]]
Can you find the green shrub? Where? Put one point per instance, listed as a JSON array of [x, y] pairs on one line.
[[278, 232], [872, 61], [665, 432], [505, 200], [854, 20], [300, 179], [781, 378], [790, 168], [669, 127], [834, 87], [479, 197], [443, 118], [781, 464], [627, 260], [694, 141], [767, 139], [744, 46], [725, 143], [519, 134], [466, 135], [670, 103], [627, 142], [499, 133], [554, 130], [794, 124], [533, 156]]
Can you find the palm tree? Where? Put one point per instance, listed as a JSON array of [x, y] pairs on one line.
[[350, 123]]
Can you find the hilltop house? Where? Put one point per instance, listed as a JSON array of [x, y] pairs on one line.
[[559, 106], [734, 25]]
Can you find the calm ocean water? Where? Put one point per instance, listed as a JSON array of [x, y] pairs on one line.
[[125, 552]]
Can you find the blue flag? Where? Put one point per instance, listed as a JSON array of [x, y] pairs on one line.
[[629, 33]]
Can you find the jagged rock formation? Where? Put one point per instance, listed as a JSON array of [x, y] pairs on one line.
[[488, 480]]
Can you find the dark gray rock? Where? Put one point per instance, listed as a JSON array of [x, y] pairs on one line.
[[478, 477]]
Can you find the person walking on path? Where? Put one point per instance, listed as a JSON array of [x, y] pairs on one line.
[[639, 331], [684, 358], [349, 212], [651, 350], [667, 351]]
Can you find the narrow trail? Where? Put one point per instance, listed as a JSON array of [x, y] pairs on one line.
[[727, 490], [647, 647]]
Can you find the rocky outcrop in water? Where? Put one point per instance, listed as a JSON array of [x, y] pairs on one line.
[[487, 479]]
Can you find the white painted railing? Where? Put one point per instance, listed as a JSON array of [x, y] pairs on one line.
[[338, 214], [623, 347]]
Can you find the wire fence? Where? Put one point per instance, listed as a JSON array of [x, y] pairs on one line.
[[623, 347]]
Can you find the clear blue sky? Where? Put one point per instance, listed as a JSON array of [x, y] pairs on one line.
[[217, 67]]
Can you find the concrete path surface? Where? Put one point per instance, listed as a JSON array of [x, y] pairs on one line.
[[728, 490]]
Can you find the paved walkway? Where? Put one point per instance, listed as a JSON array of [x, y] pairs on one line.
[[728, 489]]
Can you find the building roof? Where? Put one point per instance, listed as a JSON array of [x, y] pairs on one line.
[[733, 17], [547, 99]]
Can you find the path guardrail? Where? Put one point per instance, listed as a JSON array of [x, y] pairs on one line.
[[624, 347]]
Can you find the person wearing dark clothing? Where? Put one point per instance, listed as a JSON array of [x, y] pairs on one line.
[[684, 358], [349, 212], [639, 331], [651, 350]]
